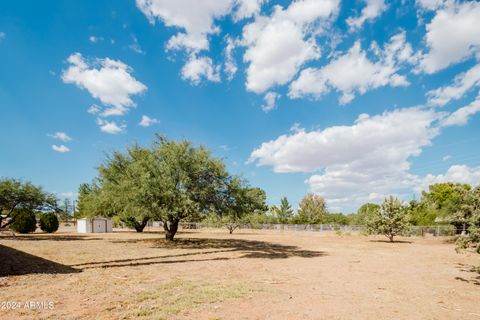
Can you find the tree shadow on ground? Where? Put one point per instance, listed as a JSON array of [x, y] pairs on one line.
[[249, 248], [16, 262], [245, 248], [471, 269], [49, 237], [388, 241]]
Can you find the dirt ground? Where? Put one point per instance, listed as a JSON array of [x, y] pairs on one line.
[[247, 275]]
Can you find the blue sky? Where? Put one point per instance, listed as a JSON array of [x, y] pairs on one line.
[[354, 100]]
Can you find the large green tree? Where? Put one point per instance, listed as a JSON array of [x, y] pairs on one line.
[[313, 209], [390, 220], [170, 181], [240, 202], [17, 196]]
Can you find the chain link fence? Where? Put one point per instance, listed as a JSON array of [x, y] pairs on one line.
[[420, 231]]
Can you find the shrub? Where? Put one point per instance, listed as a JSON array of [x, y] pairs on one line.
[[390, 220], [49, 222], [24, 222]]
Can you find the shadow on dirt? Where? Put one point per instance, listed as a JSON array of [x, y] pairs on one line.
[[388, 241], [48, 237], [243, 249], [16, 262], [475, 271]]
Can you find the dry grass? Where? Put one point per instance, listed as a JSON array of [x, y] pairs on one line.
[[259, 275]]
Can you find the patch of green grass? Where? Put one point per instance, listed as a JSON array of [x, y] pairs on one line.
[[179, 296]]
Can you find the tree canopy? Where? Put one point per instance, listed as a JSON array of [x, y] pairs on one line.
[[390, 220], [313, 209], [170, 181], [17, 196]]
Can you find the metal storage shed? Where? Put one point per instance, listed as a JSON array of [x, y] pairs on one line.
[[94, 225]]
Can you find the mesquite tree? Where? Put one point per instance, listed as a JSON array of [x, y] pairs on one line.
[[169, 181], [313, 209], [240, 201], [390, 220]]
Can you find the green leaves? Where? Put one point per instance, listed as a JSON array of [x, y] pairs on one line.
[[16, 196], [170, 181], [390, 220]]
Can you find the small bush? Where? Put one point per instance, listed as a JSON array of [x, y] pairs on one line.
[[24, 222], [49, 222]]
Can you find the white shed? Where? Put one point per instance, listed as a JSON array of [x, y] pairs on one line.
[[94, 225]]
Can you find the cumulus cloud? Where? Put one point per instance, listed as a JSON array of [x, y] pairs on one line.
[[106, 79], [452, 36], [110, 127], [61, 148], [62, 136], [461, 84], [146, 121], [353, 72], [270, 101], [198, 68], [461, 116], [279, 44], [356, 163], [456, 174], [195, 19], [372, 10]]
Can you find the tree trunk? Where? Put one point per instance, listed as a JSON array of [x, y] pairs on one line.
[[390, 236], [170, 227], [140, 226]]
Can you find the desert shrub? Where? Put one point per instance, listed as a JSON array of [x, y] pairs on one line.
[[24, 222], [49, 222]]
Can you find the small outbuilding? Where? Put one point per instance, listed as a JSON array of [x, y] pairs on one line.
[[94, 225]]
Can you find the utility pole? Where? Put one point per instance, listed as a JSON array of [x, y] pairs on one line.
[[74, 214]]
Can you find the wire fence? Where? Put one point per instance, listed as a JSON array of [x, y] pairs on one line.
[[422, 231]]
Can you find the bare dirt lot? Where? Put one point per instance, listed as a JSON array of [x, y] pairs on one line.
[[247, 275]]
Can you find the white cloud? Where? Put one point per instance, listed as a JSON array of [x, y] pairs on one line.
[[147, 121], [135, 46], [372, 10], [106, 79], [61, 148], [62, 136], [355, 163], [198, 68], [278, 45], [460, 117], [447, 157], [353, 72], [110, 127], [270, 101], [3, 35], [456, 174], [461, 84], [431, 4], [94, 109], [452, 36], [196, 19], [248, 8], [94, 39], [230, 66]]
